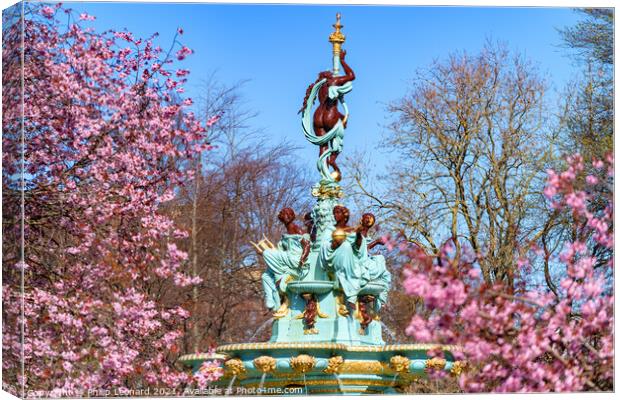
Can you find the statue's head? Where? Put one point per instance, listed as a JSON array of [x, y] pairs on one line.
[[341, 213], [368, 220], [325, 74], [286, 215]]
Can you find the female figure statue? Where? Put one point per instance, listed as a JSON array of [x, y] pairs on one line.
[[342, 256], [346, 255], [327, 115], [375, 265], [285, 260]]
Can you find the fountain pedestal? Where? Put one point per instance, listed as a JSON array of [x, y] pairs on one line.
[[337, 354]]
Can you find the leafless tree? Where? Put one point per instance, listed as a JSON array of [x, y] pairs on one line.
[[237, 203], [242, 184], [473, 142]]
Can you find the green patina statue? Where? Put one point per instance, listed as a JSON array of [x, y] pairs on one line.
[[285, 261], [346, 256], [375, 264]]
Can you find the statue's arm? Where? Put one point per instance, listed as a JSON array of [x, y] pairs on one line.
[[349, 74], [375, 243]]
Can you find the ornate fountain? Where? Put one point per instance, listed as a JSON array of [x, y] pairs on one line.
[[322, 284]]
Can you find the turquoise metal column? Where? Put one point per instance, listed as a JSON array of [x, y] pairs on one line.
[[337, 38]]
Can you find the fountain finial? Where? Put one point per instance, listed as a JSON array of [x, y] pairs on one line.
[[337, 38]]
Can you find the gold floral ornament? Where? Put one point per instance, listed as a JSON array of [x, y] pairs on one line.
[[265, 364], [400, 364], [324, 192], [302, 363], [333, 365], [458, 367], [235, 366], [436, 363]]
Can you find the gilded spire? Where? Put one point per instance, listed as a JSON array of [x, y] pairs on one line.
[[336, 38]]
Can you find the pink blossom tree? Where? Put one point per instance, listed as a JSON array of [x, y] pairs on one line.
[[105, 142], [529, 339]]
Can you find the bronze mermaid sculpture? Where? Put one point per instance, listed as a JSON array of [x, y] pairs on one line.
[[327, 114]]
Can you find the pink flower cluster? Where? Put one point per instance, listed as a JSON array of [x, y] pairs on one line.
[[518, 340], [208, 372], [106, 146]]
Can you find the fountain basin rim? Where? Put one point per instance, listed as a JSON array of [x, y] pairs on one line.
[[203, 356], [233, 347], [372, 288], [318, 287], [334, 346]]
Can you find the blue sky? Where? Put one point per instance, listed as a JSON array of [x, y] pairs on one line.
[[281, 48]]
